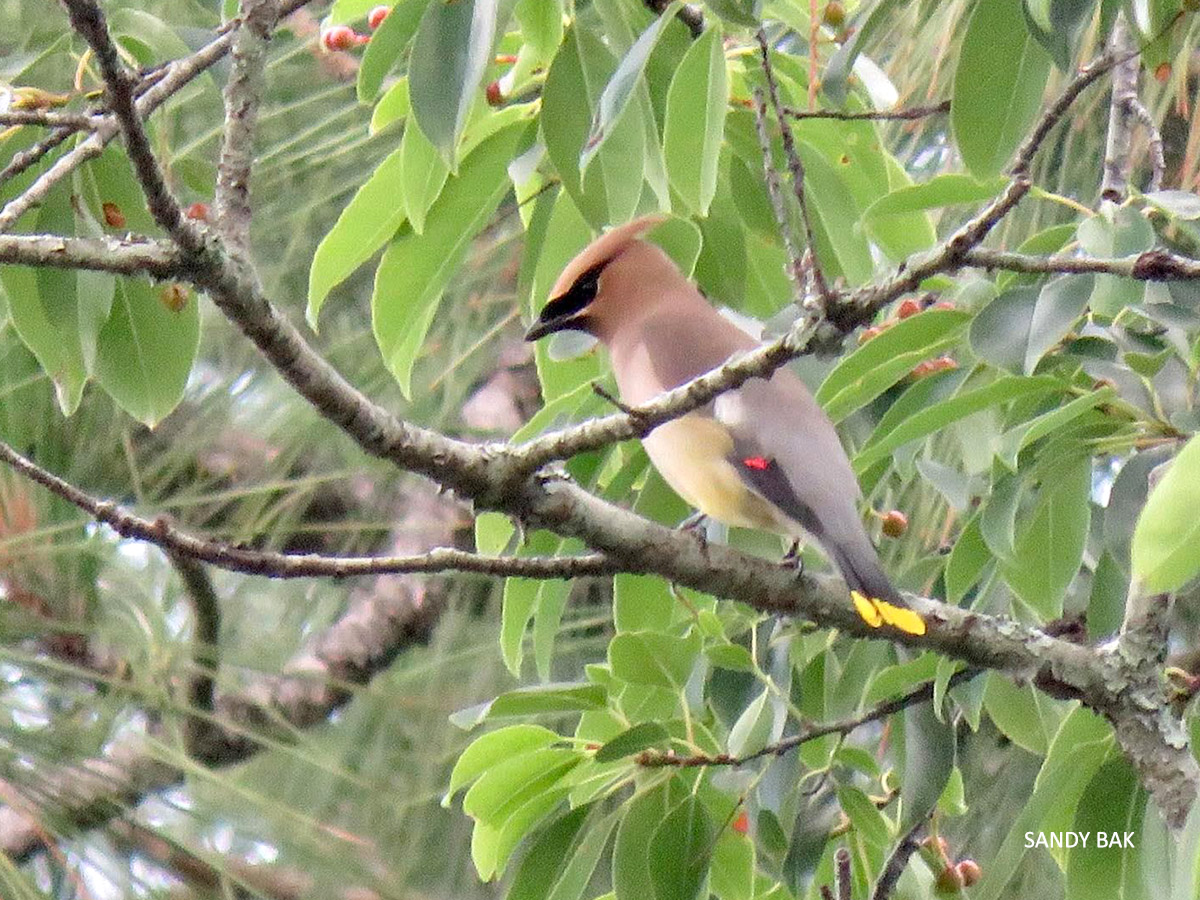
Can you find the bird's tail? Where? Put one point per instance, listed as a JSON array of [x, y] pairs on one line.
[[875, 597]]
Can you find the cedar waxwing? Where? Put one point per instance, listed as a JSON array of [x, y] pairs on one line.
[[762, 456]]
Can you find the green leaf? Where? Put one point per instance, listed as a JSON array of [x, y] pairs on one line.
[[1176, 204], [635, 740], [620, 87], [653, 658], [145, 350], [998, 86], [732, 870], [938, 416], [509, 784], [739, 12], [641, 603], [885, 359], [494, 747], [1000, 331], [864, 817], [1056, 24], [541, 25], [867, 21], [1115, 232], [695, 123], [929, 747], [531, 701], [1014, 712], [939, 191], [451, 50], [415, 269], [386, 45], [1059, 305], [1114, 802], [1080, 747], [393, 106], [752, 730], [1163, 552], [1013, 441], [1047, 554], [547, 856], [43, 305], [423, 175], [578, 871], [679, 852], [368, 222], [631, 876], [610, 188], [967, 561]]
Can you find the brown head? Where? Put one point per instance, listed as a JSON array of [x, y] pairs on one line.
[[614, 281]]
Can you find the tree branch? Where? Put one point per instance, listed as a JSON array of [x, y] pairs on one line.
[[242, 95], [181, 545], [1117, 158], [884, 115], [105, 254], [922, 694], [897, 861]]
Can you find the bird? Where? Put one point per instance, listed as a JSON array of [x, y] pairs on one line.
[[764, 455]]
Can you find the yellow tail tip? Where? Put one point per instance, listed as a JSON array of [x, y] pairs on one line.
[[876, 612]]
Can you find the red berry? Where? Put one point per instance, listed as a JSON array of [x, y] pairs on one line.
[[197, 211], [377, 15], [339, 37], [895, 523], [909, 307], [969, 872], [741, 824], [1162, 73], [113, 217], [361, 39], [494, 95]]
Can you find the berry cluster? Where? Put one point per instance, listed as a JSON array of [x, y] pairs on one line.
[[342, 37]]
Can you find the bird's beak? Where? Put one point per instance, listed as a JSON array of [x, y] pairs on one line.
[[549, 325]]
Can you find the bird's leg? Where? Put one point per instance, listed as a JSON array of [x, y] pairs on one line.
[[697, 524], [794, 559]]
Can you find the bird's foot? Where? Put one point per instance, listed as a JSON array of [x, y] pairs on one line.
[[793, 559], [697, 524]]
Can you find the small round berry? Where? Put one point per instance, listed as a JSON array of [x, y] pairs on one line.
[[174, 297], [969, 872], [197, 211], [113, 216], [495, 96], [376, 16], [741, 824], [339, 37], [834, 15], [1162, 73], [908, 308], [895, 523]]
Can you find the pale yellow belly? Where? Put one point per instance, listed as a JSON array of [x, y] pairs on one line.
[[692, 455]]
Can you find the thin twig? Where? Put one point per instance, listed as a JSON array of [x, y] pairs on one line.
[[897, 861], [842, 881], [33, 154], [206, 633], [50, 119], [243, 92], [155, 258], [165, 535], [796, 168], [795, 266], [1117, 158], [885, 115], [1154, 143], [657, 759]]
